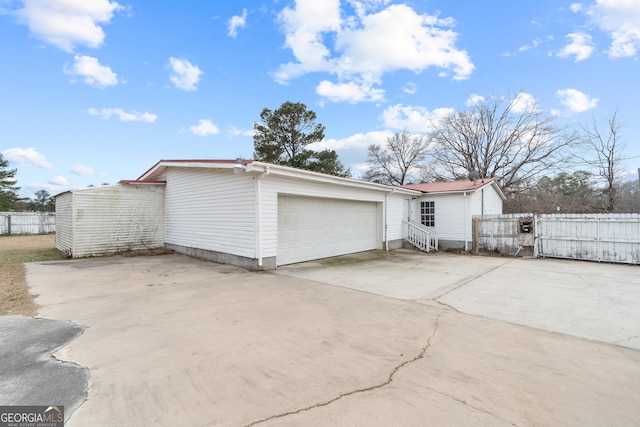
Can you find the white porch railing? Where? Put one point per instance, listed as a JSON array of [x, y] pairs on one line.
[[423, 238]]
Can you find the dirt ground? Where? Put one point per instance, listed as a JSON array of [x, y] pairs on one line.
[[15, 297], [26, 242]]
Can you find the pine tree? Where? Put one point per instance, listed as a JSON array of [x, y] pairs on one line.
[[8, 188]]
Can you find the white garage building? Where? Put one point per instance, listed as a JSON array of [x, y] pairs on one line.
[[258, 215], [261, 215]]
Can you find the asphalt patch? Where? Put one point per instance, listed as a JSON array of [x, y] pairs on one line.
[[30, 375]]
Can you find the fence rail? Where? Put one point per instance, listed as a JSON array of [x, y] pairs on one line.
[[592, 237], [27, 222]]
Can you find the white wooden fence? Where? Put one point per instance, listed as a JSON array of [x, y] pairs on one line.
[[27, 222], [593, 237]]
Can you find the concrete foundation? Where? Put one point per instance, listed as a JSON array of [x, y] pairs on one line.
[[268, 263]]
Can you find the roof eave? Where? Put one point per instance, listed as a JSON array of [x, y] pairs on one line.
[[251, 166], [303, 174]]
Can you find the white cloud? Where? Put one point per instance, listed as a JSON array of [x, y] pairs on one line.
[[363, 6], [124, 116], [575, 100], [67, 23], [27, 157], [368, 44], [59, 180], [184, 74], [92, 72], [410, 88], [534, 44], [524, 102], [83, 170], [413, 118], [350, 92], [474, 99], [575, 7], [234, 131], [303, 28], [237, 22], [621, 20], [581, 46], [204, 127], [359, 141], [399, 38]]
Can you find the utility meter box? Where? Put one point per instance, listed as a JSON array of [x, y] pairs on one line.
[[526, 225]]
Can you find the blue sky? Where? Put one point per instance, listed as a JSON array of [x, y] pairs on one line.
[[97, 91]]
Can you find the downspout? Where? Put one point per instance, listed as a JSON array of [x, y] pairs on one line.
[[73, 224], [466, 226], [482, 203], [386, 215], [258, 195]]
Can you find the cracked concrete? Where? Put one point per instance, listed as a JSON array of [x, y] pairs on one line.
[[419, 356], [209, 344], [590, 300], [31, 373]]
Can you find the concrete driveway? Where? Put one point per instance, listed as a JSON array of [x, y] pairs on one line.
[[171, 340], [597, 301]]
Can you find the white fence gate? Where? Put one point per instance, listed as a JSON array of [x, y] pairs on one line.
[[27, 222], [592, 237]]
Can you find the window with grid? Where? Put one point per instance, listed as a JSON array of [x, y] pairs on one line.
[[428, 214]]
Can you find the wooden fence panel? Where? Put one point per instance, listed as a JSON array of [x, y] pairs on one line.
[[596, 237], [593, 237], [27, 222]]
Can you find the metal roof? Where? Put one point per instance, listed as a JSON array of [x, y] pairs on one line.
[[463, 185]]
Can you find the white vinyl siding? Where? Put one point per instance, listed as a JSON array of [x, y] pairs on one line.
[[111, 219], [64, 222], [396, 212], [212, 210], [492, 202], [221, 211], [454, 211], [312, 228], [486, 201], [450, 215]]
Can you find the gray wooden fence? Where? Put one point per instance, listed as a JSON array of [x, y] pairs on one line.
[[593, 237], [27, 222]]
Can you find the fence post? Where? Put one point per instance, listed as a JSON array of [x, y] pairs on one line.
[[9, 225], [598, 245], [535, 235], [476, 234]]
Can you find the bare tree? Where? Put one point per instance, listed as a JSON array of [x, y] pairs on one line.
[[628, 197], [401, 161], [509, 139], [605, 156]]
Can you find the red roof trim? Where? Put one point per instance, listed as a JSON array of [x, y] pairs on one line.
[[449, 186]]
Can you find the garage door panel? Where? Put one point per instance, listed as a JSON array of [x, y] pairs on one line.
[[313, 228]]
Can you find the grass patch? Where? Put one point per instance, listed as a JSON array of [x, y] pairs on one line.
[[21, 256], [15, 251]]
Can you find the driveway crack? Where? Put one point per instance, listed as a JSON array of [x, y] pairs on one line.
[[470, 279], [475, 408], [385, 383]]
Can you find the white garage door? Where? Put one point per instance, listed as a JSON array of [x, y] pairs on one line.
[[312, 228]]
